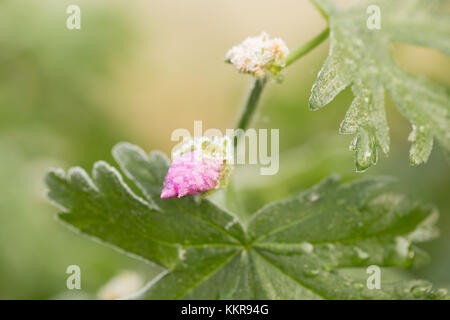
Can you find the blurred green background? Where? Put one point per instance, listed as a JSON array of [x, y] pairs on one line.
[[136, 71]]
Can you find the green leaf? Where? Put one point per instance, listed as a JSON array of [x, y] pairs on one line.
[[291, 249], [361, 57]]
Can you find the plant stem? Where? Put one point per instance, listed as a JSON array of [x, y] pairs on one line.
[[307, 47], [251, 103]]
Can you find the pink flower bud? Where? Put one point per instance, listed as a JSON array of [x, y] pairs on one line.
[[196, 171]]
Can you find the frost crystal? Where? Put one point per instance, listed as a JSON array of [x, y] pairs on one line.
[[200, 165], [255, 55]]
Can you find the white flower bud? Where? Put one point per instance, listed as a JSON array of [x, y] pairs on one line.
[[256, 55]]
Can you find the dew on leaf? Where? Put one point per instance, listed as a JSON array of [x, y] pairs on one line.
[[358, 286], [310, 272], [399, 253], [313, 197], [360, 255], [419, 291], [306, 247], [181, 253]]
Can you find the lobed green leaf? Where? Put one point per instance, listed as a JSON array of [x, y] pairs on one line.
[[361, 58], [290, 249]]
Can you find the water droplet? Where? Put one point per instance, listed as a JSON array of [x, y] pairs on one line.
[[310, 272], [181, 253], [360, 255], [402, 247], [399, 253], [413, 135], [358, 286], [313, 197], [419, 291], [353, 143], [306, 247], [440, 293]]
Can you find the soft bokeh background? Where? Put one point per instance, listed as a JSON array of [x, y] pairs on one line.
[[136, 71]]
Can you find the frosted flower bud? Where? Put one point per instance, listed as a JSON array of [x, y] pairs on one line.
[[200, 165], [256, 55]]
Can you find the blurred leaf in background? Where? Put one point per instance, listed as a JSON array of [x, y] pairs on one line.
[[52, 82]]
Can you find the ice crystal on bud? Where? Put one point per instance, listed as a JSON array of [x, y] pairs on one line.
[[256, 55], [199, 165]]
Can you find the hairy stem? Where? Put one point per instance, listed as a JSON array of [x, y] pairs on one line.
[[251, 103]]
